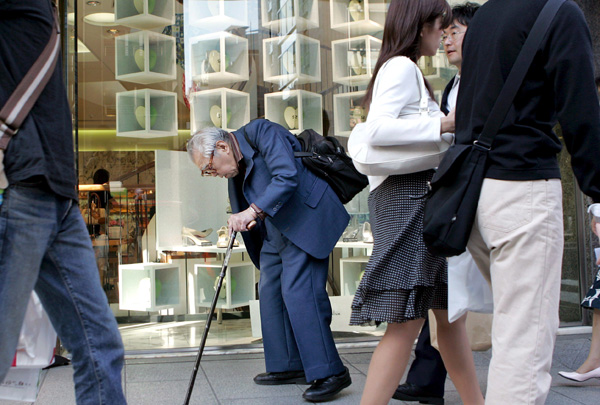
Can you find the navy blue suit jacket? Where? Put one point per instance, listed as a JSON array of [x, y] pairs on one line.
[[299, 204]]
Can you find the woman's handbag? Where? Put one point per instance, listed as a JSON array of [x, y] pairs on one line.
[[455, 188], [399, 159]]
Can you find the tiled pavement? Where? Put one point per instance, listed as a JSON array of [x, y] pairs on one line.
[[227, 379]]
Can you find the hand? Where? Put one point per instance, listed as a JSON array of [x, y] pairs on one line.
[[448, 122], [239, 222]]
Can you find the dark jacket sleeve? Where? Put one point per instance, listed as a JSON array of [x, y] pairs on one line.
[[571, 72]]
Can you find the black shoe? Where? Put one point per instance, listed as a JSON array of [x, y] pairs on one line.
[[325, 389], [280, 378], [411, 392]]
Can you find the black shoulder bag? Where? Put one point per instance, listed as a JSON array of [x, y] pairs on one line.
[[455, 188]]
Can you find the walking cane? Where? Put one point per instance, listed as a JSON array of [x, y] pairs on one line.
[[210, 315]]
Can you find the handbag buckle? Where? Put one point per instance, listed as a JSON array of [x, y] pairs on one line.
[[426, 194], [479, 145]]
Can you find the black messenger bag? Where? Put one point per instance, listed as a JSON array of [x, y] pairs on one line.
[[455, 188]]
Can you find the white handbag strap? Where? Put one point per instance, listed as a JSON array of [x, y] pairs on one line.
[[424, 102]]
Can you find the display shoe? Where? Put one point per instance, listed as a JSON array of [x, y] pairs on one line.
[[325, 389], [413, 393], [223, 241], [575, 376], [367, 235], [195, 237], [280, 378], [350, 235]]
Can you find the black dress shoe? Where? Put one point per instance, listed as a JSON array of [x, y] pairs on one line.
[[325, 389], [411, 392], [280, 378]]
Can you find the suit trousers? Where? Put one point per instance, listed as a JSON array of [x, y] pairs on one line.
[[517, 243], [295, 310]]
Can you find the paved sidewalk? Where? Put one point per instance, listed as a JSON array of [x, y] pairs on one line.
[[227, 379]]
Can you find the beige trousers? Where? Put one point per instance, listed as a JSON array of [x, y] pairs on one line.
[[517, 243]]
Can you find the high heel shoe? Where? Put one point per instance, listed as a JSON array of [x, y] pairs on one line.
[[223, 241], [350, 235], [575, 376], [367, 235], [197, 237]]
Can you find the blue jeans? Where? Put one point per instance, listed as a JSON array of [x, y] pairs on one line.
[[44, 246]]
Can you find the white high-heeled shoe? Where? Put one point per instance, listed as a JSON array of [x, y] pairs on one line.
[[367, 235], [575, 376], [197, 237], [223, 241]]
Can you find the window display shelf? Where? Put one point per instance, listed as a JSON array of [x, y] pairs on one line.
[[149, 286], [284, 15], [208, 109], [296, 110], [218, 15], [293, 58], [237, 289], [145, 57], [146, 113], [354, 59], [208, 64], [351, 270], [358, 17], [348, 111], [144, 14]]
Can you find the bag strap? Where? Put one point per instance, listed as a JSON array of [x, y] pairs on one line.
[[29, 89], [517, 74]]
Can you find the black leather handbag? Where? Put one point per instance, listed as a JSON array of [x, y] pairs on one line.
[[455, 188]]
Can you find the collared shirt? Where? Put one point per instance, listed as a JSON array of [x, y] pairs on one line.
[[451, 102]]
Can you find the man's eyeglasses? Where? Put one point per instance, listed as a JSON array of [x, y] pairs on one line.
[[453, 35], [209, 170]]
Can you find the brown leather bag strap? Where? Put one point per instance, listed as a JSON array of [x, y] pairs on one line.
[[29, 89]]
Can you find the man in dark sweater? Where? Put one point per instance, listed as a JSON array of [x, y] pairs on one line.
[[44, 244], [517, 238]]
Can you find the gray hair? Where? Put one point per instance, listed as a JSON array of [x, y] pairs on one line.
[[205, 140]]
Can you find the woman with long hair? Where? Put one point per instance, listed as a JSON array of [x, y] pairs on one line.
[[402, 280]]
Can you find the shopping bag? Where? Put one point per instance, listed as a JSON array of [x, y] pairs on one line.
[[479, 331], [22, 384], [467, 289], [37, 339]]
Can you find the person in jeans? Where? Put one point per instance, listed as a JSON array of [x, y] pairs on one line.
[[517, 237], [427, 375], [44, 244]]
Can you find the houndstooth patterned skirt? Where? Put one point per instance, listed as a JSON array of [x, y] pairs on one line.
[[402, 280]]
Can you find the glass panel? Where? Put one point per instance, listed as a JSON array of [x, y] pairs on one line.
[[138, 91]]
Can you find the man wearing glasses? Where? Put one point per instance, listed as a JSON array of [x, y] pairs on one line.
[[299, 220], [427, 375]]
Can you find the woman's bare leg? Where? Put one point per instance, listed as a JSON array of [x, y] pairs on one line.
[[593, 360], [389, 362], [458, 358]]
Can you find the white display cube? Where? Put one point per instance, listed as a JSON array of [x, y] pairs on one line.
[[306, 107], [293, 58], [237, 289], [208, 109], [209, 66], [354, 59], [218, 15], [351, 269], [149, 286], [145, 57], [348, 111], [284, 15], [144, 14], [358, 17], [146, 113]]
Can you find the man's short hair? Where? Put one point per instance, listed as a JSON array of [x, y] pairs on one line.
[[463, 13]]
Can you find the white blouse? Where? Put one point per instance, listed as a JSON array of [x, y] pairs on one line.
[[396, 93]]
